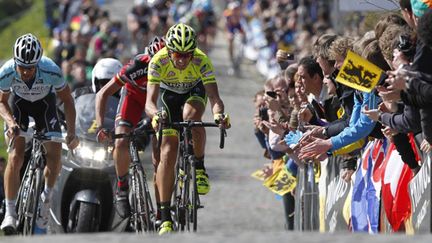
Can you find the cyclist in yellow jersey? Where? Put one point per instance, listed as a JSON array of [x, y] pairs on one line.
[[183, 77]]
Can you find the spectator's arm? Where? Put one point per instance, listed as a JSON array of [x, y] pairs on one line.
[[360, 125], [335, 127], [405, 122], [417, 94]]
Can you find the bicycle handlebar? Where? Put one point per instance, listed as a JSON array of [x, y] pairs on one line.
[[191, 124]]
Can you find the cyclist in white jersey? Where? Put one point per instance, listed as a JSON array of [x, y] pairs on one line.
[[29, 83]]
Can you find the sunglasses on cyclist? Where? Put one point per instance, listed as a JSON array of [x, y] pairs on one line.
[[27, 67], [184, 55]]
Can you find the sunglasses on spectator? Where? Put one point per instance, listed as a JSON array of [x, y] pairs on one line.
[[178, 55]]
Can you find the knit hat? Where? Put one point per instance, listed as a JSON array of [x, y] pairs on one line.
[[419, 7]]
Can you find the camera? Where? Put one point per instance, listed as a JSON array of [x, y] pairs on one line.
[[272, 94], [263, 113], [382, 80], [406, 47]]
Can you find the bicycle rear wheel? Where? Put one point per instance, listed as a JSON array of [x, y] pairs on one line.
[[142, 203]]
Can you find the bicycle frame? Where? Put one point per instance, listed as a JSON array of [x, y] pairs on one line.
[[143, 214], [32, 183], [139, 182], [186, 199]]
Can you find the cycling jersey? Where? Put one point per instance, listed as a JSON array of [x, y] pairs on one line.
[[48, 76], [135, 70], [130, 109], [162, 71], [133, 98]]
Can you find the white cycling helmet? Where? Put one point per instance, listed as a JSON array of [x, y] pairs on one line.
[[27, 50], [103, 71]]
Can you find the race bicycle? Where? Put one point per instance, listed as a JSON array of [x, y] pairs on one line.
[[143, 214], [185, 197], [32, 183]]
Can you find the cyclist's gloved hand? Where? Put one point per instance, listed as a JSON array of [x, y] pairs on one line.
[[158, 118], [72, 141], [102, 135], [223, 119]]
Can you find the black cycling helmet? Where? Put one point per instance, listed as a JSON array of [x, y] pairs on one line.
[[155, 45], [27, 50]]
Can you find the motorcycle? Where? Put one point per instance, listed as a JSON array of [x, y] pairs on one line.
[[82, 199]]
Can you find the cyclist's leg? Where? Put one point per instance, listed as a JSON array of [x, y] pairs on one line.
[[45, 115], [46, 118], [171, 102], [193, 110], [128, 114], [15, 161], [155, 161], [165, 177], [12, 178], [121, 155], [53, 164]]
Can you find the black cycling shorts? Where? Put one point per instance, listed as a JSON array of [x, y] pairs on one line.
[[173, 102], [43, 111]]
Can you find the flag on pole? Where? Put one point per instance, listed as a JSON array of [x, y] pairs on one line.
[[358, 73], [396, 176]]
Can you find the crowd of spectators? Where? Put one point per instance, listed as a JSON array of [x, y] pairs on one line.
[[304, 115], [83, 32]]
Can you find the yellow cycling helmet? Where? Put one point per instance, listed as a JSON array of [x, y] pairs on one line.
[[181, 38]]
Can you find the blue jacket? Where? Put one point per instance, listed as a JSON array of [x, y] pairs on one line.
[[360, 125]]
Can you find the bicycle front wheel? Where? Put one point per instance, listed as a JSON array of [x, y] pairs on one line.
[[142, 203], [30, 202], [194, 199]]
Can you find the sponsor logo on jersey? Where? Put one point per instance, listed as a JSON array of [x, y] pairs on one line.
[[37, 92], [154, 73], [164, 61], [207, 74], [138, 73], [180, 86], [196, 61], [53, 122], [203, 68], [154, 66]]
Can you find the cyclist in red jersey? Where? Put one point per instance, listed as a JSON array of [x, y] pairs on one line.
[[133, 76]]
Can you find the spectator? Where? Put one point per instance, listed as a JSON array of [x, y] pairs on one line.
[[66, 49], [99, 43]]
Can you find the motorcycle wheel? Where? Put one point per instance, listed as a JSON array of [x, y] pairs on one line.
[[87, 218]]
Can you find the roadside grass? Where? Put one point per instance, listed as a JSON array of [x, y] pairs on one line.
[[32, 21]]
